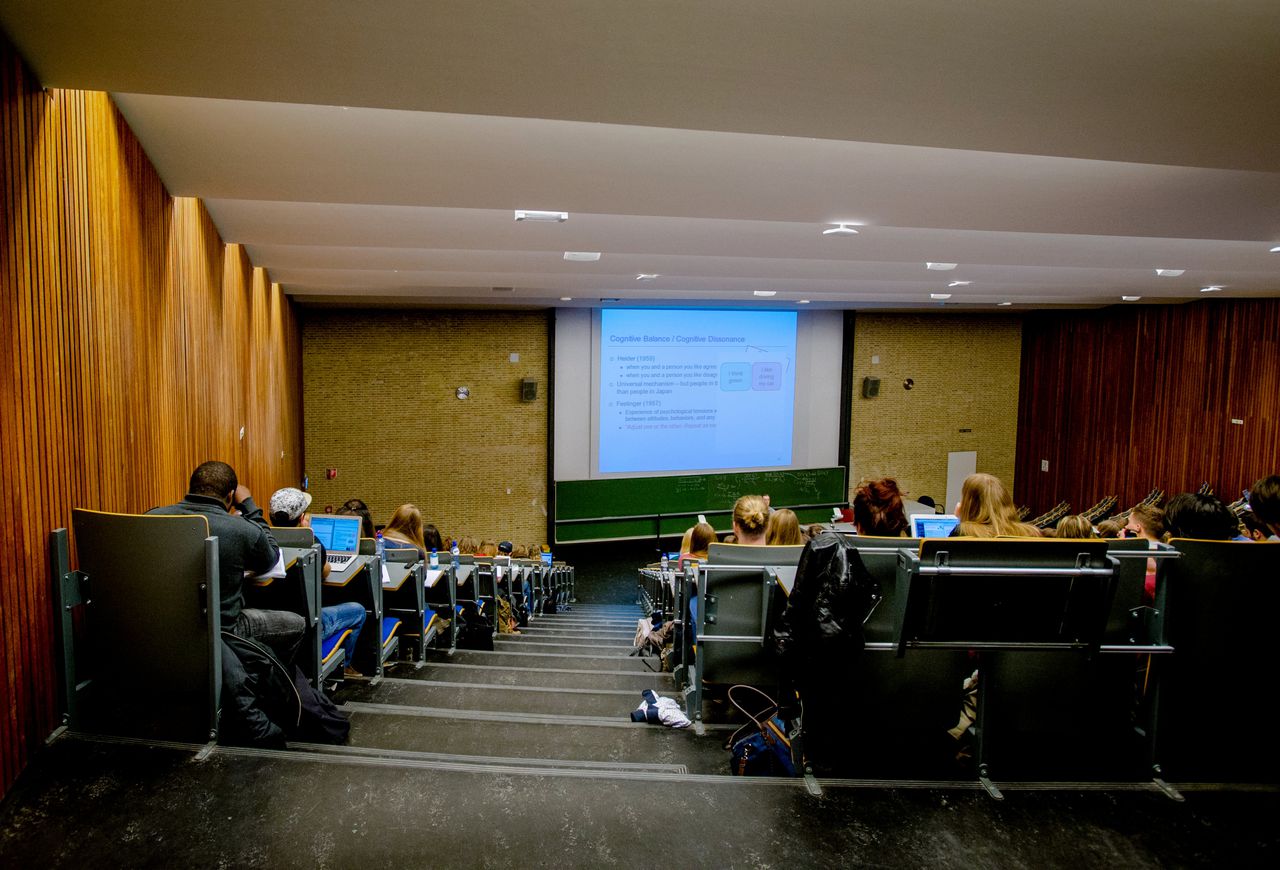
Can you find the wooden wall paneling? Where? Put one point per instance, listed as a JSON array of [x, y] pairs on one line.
[[127, 338], [1157, 411]]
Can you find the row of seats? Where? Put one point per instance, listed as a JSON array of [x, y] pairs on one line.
[[142, 611], [1080, 674]]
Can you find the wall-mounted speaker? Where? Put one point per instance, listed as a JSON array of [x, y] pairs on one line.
[[528, 390], [870, 388]]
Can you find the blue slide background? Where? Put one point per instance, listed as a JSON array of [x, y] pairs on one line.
[[695, 389]]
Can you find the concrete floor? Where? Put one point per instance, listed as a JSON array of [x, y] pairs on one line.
[[526, 757]]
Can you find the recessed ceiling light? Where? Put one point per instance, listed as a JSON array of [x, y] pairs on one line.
[[939, 295], [1212, 288], [1170, 273], [1130, 298], [764, 292], [1004, 304], [1276, 249], [582, 256], [550, 217], [940, 267], [647, 276], [802, 301], [840, 230], [959, 283], [566, 298]]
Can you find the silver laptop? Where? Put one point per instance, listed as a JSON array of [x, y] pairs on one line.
[[933, 525], [340, 537]]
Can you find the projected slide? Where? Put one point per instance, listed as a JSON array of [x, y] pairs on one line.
[[695, 389]]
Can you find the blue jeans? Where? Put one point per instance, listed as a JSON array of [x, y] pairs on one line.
[[337, 619]]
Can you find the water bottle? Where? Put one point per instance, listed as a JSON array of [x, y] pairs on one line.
[[435, 559], [665, 563], [453, 552], [378, 547]]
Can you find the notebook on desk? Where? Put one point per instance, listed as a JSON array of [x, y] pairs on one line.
[[340, 537]]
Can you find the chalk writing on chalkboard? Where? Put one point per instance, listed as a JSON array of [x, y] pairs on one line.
[[694, 493]]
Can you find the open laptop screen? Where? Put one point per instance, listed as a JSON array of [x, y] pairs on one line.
[[337, 534], [933, 525]]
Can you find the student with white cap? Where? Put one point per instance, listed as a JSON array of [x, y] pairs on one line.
[[289, 510]]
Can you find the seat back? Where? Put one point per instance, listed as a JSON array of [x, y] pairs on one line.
[[745, 554], [1132, 618], [984, 591], [880, 556], [1214, 721], [732, 620], [153, 625], [293, 537]]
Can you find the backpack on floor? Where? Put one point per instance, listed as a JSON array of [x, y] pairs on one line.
[[260, 704], [321, 721], [475, 633]]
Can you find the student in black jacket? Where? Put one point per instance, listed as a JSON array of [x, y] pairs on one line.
[[245, 545]]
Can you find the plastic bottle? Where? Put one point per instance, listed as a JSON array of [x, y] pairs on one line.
[[665, 563], [378, 546], [453, 552], [435, 559]]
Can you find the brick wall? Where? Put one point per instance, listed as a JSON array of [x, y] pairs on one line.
[[965, 370], [380, 407]]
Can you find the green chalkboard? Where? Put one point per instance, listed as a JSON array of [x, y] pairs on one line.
[[630, 507]]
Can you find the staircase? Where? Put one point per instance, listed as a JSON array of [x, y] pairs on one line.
[[556, 697]]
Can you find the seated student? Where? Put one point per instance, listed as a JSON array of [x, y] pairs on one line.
[[1111, 528], [1074, 526], [487, 549], [1264, 501], [245, 545], [684, 541], [1147, 521], [432, 538], [700, 537], [354, 507], [1253, 528], [877, 509], [1205, 517], [507, 621], [986, 510], [405, 530], [288, 511], [750, 516], [783, 529]]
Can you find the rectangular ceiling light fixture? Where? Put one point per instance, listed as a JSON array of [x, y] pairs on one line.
[[582, 256], [550, 217]]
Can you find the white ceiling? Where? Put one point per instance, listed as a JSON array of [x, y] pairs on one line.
[[374, 151]]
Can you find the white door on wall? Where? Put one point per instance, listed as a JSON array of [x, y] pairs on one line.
[[960, 464]]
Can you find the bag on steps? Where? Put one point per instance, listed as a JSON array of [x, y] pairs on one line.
[[475, 633], [761, 747]]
